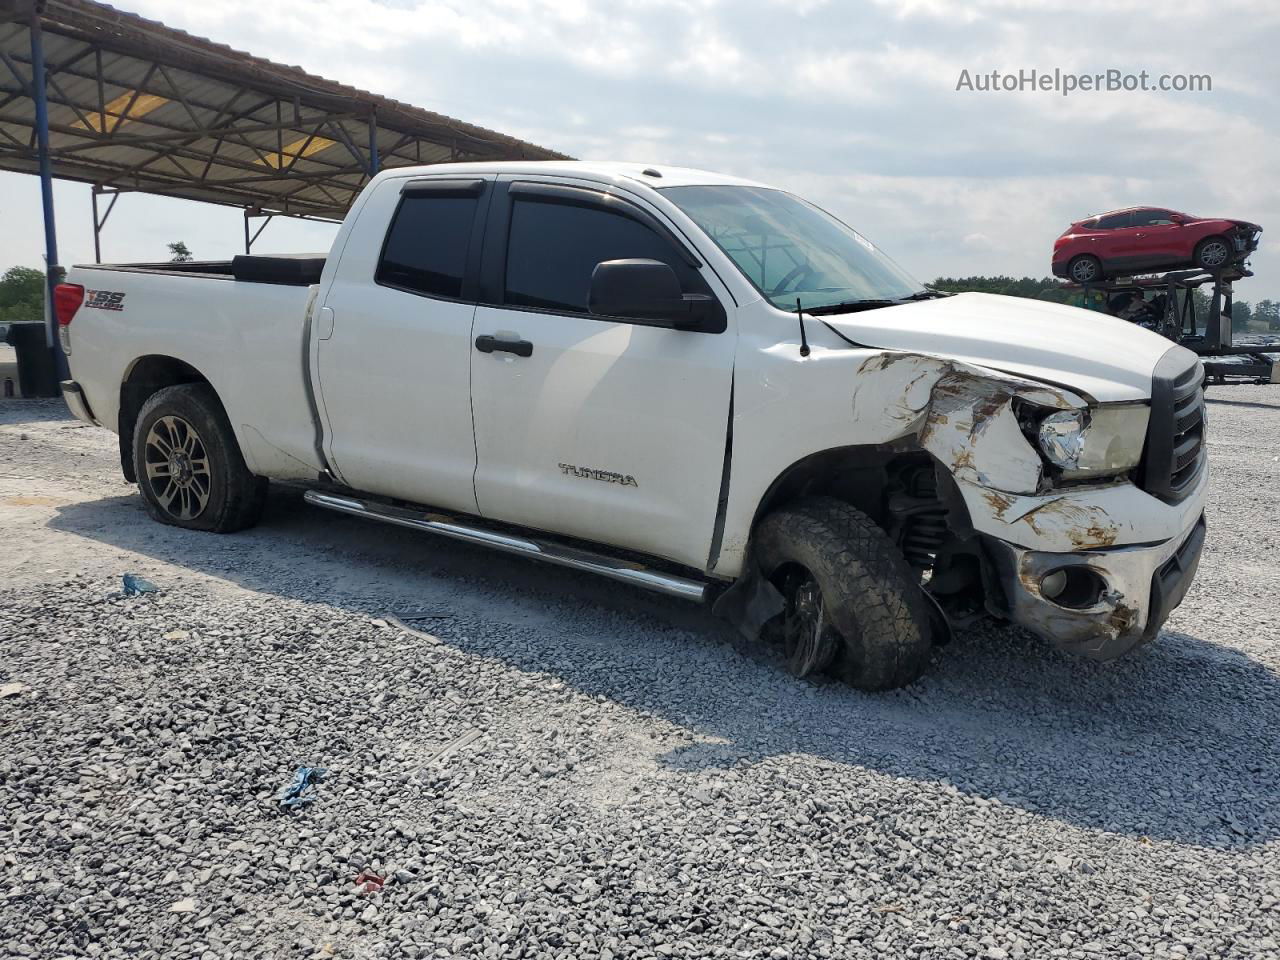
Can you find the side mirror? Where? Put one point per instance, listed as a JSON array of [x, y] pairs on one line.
[[643, 290], [1177, 219]]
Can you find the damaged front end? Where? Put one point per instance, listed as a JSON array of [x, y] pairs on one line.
[[1057, 537], [1097, 603], [1244, 237]]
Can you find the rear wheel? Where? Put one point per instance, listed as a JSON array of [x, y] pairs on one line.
[[1085, 268], [189, 467], [1213, 253], [853, 604]]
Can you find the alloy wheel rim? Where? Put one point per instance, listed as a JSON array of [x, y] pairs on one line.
[[177, 467], [809, 641], [1083, 271], [1214, 254]]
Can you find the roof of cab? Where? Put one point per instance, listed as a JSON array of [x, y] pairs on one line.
[[668, 176]]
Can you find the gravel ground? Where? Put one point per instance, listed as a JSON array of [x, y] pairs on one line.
[[549, 765]]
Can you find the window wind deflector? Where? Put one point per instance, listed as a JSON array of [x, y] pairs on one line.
[[442, 188], [586, 197]]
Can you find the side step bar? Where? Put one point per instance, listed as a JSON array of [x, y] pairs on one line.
[[559, 554]]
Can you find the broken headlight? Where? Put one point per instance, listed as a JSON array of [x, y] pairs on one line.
[[1095, 442]]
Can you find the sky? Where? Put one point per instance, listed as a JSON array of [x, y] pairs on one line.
[[854, 106]]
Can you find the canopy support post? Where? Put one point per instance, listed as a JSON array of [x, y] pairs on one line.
[[53, 273]]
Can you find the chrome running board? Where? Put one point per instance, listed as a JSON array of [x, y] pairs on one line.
[[558, 554]]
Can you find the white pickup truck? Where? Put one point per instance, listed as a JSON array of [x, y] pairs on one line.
[[681, 380]]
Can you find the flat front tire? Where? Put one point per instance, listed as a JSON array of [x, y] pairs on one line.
[[189, 467], [853, 604]]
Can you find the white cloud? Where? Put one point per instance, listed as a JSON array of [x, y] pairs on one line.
[[856, 108]]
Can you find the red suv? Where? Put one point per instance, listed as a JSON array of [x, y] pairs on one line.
[[1144, 239]]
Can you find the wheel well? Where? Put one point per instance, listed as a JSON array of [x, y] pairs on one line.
[[146, 376], [857, 475], [906, 492]]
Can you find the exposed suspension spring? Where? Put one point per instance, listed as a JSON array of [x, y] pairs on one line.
[[919, 520]]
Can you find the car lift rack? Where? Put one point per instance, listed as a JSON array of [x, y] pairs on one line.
[[1257, 363]]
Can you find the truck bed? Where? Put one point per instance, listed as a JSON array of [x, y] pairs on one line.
[[240, 324], [295, 270]]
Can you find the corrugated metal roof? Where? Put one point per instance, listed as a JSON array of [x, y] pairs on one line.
[[137, 105]]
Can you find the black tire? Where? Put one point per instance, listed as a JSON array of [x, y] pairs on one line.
[[1085, 268], [1217, 250], [869, 594], [222, 496]]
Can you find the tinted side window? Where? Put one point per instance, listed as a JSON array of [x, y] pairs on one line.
[[426, 248], [1115, 221], [554, 247]]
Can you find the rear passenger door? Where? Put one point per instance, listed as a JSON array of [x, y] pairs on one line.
[[1118, 240], [394, 342], [605, 428]]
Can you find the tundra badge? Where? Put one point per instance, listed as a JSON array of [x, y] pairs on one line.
[[608, 476]]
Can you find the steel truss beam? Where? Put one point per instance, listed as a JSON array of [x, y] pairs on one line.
[[77, 82]]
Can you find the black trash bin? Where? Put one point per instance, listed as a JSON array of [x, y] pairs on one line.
[[37, 374]]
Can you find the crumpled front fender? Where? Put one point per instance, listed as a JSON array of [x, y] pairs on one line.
[[961, 414]]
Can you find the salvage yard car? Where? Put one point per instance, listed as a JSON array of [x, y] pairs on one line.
[[681, 380], [1138, 239]]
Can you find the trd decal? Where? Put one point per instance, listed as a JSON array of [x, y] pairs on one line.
[[608, 476], [103, 300]]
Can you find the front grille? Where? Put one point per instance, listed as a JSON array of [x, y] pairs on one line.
[[1175, 451]]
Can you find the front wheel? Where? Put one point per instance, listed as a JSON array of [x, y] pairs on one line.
[[189, 467], [1213, 253], [852, 602]]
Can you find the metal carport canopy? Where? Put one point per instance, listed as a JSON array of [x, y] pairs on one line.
[[134, 105]]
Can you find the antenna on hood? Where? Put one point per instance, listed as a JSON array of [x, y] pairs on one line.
[[804, 341]]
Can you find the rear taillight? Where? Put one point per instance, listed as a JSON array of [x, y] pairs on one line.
[[67, 298]]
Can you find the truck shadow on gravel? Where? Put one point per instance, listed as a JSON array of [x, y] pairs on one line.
[[1179, 742]]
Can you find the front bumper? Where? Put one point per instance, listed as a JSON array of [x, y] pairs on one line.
[[77, 403], [1142, 586], [1245, 237]]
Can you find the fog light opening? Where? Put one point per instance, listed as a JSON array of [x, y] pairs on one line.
[[1074, 587]]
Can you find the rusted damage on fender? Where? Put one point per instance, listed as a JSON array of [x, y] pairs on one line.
[[964, 416], [961, 413], [998, 502]]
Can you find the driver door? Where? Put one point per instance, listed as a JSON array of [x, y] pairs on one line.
[[607, 429], [1158, 238]]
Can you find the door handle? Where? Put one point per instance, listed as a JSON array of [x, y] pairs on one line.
[[486, 343]]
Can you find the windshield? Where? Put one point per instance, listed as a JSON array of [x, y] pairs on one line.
[[790, 249]]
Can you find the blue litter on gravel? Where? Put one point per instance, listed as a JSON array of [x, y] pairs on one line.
[[296, 795], [135, 585]]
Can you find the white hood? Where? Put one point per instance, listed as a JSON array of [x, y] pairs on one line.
[[1107, 358]]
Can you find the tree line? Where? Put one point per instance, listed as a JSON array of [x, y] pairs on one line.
[[21, 294]]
